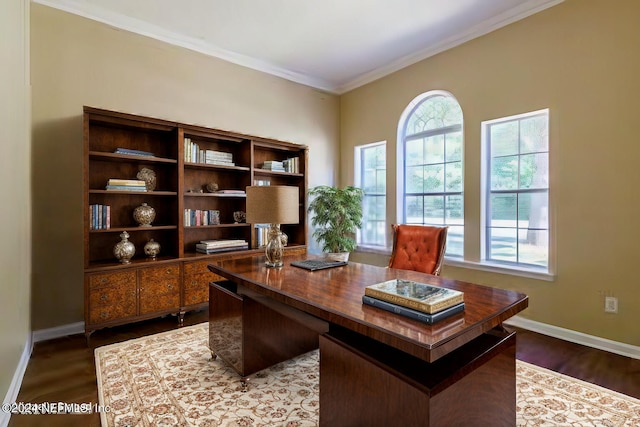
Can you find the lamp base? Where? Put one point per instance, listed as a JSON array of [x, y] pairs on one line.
[[274, 250]]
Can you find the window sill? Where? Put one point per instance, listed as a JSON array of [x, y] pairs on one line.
[[378, 250], [501, 269]]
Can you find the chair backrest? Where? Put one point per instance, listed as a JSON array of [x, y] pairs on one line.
[[418, 247]]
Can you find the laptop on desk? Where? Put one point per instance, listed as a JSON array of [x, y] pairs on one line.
[[317, 264]]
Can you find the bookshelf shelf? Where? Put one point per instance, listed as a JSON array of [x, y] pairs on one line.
[[134, 158], [182, 161]]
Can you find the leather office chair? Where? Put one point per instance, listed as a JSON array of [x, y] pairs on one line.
[[418, 247]]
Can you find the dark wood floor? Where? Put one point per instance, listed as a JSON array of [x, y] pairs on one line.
[[63, 370]]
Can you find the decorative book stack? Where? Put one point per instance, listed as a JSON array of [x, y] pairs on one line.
[[99, 217], [201, 217], [291, 164], [194, 154], [273, 165], [419, 301], [126, 185], [214, 246]]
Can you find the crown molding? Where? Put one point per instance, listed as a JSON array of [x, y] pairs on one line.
[[148, 30], [513, 15], [137, 26]]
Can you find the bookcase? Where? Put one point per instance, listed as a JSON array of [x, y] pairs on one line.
[[200, 177]]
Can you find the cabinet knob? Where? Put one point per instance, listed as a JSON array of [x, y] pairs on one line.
[[168, 271], [103, 314], [103, 297], [104, 280], [194, 282], [170, 286]]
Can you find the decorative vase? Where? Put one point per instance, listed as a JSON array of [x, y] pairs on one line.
[[124, 250], [239, 217], [212, 187], [152, 249], [149, 177], [144, 215]]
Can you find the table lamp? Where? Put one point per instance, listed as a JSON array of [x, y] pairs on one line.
[[273, 205]]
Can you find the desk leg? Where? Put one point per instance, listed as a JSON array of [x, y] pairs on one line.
[[367, 383]]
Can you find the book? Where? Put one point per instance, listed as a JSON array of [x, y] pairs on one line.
[[133, 152], [213, 251], [213, 243], [230, 192], [125, 188], [209, 246], [132, 182], [414, 314], [418, 296]]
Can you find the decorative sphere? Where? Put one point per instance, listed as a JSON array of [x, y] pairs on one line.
[[212, 187], [149, 177], [152, 249], [144, 215]]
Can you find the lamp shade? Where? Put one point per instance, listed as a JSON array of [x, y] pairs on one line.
[[273, 204]]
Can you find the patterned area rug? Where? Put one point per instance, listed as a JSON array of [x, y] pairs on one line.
[[169, 379]]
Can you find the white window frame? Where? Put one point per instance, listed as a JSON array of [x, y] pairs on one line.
[[525, 270], [401, 161], [368, 246]]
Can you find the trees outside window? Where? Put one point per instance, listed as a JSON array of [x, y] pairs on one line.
[[371, 176], [516, 193]]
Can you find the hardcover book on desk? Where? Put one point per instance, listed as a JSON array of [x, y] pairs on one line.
[[414, 314], [417, 296]]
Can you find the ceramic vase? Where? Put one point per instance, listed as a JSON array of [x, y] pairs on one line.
[[144, 215], [152, 249], [124, 250], [149, 177]]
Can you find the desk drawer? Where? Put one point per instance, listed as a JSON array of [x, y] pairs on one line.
[[108, 313], [109, 295], [112, 279], [196, 295]]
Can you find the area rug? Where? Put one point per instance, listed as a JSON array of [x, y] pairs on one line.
[[170, 379]]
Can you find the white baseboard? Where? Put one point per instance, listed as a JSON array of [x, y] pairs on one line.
[[575, 337], [57, 332], [16, 382]]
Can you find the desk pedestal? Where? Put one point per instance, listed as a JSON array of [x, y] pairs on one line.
[[253, 333], [364, 382]]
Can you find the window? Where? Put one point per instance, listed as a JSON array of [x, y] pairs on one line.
[[430, 166], [371, 176], [516, 190]]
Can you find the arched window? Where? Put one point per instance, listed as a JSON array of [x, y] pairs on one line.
[[430, 165]]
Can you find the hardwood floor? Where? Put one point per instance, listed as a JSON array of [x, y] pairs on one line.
[[63, 370]]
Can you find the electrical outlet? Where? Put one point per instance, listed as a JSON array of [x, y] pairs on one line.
[[610, 304]]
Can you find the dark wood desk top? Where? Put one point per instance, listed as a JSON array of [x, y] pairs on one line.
[[335, 295]]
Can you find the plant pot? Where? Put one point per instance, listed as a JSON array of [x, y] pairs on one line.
[[337, 256]]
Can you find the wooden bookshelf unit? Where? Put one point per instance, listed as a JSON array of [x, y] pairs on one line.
[[116, 147]]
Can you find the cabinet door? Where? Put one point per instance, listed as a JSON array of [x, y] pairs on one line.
[[112, 296], [159, 288], [196, 282]]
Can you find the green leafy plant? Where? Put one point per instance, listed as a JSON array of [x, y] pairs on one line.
[[337, 215]]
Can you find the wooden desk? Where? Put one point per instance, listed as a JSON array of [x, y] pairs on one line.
[[379, 368]]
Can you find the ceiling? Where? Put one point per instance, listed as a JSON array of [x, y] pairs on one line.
[[332, 45]]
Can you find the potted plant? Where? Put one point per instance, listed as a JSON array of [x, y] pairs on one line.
[[337, 215]]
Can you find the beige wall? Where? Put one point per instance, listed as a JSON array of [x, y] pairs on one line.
[[15, 188], [76, 62], [580, 59]]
